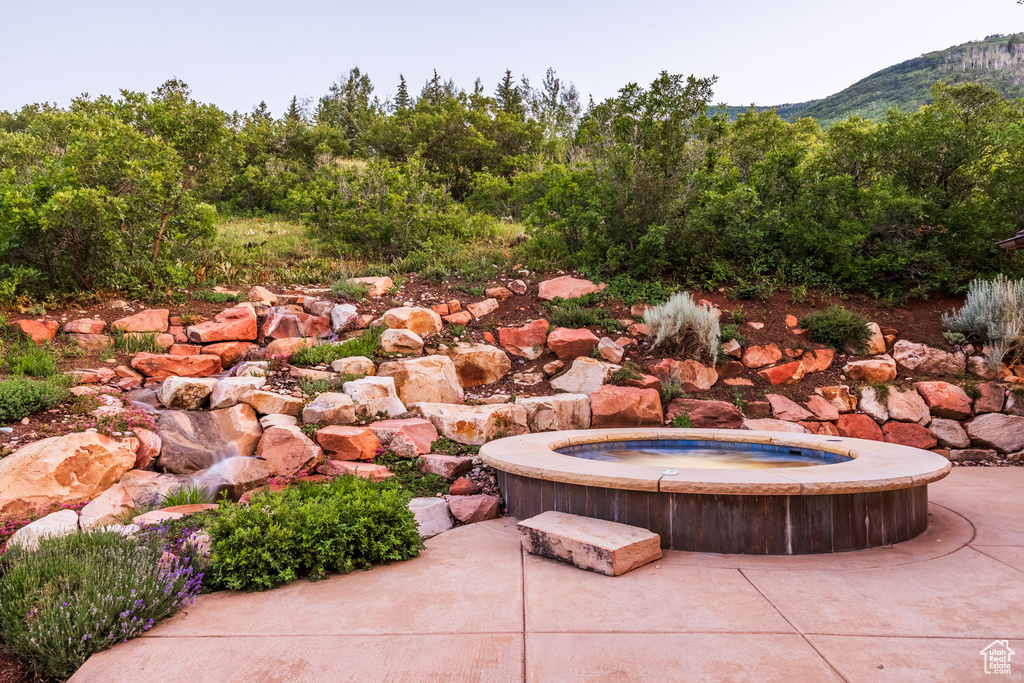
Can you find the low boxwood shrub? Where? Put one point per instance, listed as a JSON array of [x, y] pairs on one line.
[[308, 530], [75, 596], [837, 327]]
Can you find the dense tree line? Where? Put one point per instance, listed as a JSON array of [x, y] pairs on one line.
[[120, 193]]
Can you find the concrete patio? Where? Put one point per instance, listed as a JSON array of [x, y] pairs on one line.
[[473, 607]]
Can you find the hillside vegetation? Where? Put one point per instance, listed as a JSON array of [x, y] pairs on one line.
[[997, 61], [125, 194]]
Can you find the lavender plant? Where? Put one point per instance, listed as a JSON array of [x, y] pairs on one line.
[[75, 596]]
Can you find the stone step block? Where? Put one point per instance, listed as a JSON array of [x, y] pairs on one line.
[[605, 547]]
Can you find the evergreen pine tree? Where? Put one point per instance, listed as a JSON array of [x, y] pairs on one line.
[[294, 112], [402, 101], [509, 96]]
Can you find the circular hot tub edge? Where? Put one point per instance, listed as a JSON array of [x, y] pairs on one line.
[[878, 497]]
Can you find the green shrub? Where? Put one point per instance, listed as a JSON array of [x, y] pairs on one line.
[[351, 291], [78, 595], [446, 446], [409, 476], [21, 397], [217, 297], [669, 390], [309, 530], [630, 291], [579, 313], [314, 387], [993, 314], [684, 326], [365, 344], [682, 421], [837, 327], [31, 360], [731, 331], [628, 372]]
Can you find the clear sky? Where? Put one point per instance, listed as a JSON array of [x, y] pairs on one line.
[[235, 53]]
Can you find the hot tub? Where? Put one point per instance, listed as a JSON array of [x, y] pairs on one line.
[[724, 491]]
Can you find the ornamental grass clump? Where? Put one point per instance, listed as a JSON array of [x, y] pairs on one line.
[[366, 344], [684, 326], [308, 530], [75, 596], [993, 314]]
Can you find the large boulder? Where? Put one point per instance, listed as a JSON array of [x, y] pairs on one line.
[[343, 316], [1005, 433], [287, 451], [945, 399], [556, 413], [151, 320], [107, 508], [348, 443], [195, 440], [950, 433], [186, 393], [566, 287], [360, 366], [230, 390], [235, 324], [907, 406], [471, 509], [928, 360], [330, 409], [990, 398], [431, 379], [432, 516], [818, 360], [401, 341], [585, 376], [474, 425], [693, 376], [54, 525], [422, 321], [857, 426], [568, 344], [162, 366], [282, 323], [909, 434], [239, 475], [147, 488], [372, 395], [527, 341], [62, 470], [271, 403], [612, 406], [408, 438], [478, 364], [881, 369], [706, 414]]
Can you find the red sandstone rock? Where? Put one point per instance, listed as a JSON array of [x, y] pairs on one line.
[[85, 326], [409, 437], [644, 382], [760, 356], [470, 509], [441, 309], [286, 347], [638, 330], [822, 409], [348, 443], [230, 352], [881, 369], [706, 414], [459, 318], [569, 344], [527, 341], [858, 426], [287, 450], [730, 369], [151, 320], [282, 324], [159, 366], [945, 399], [990, 400], [149, 448], [185, 350], [499, 293], [818, 360], [786, 409], [613, 406], [789, 373], [566, 287], [38, 330], [447, 466], [822, 428], [485, 307], [689, 373], [235, 324], [909, 434], [375, 473], [463, 487]]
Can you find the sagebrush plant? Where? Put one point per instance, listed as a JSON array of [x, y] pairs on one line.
[[993, 314], [84, 593], [366, 344], [670, 389], [684, 326], [308, 530], [837, 327]]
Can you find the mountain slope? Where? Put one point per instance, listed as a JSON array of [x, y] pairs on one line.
[[997, 61]]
